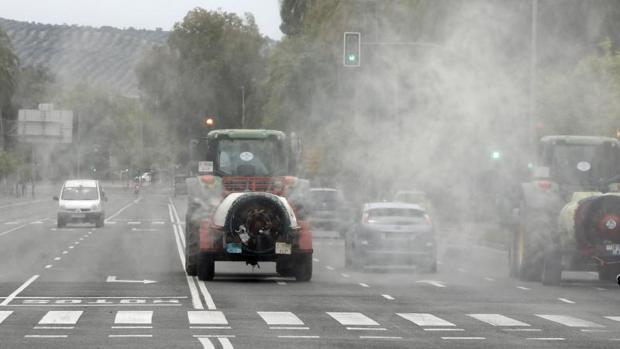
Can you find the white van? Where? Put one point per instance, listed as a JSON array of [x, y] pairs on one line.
[[81, 200]]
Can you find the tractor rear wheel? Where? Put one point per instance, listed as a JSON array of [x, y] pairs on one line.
[[206, 266]]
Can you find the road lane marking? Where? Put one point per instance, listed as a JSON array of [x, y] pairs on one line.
[[71, 247], [46, 336], [434, 329], [12, 230], [545, 339], [613, 318], [280, 318], [569, 321], [345, 275], [387, 296], [196, 302], [158, 222], [432, 283], [65, 252], [12, 223], [57, 258], [225, 342], [121, 210], [5, 314], [15, 293], [380, 337], [133, 317], [281, 283], [300, 337], [48, 266], [214, 336], [363, 284], [366, 328], [37, 222], [498, 320], [206, 295], [463, 338], [206, 317], [130, 336], [522, 330], [424, 319], [329, 267], [206, 343], [210, 327], [60, 317], [289, 328], [566, 300], [54, 327], [523, 288], [593, 330], [131, 327], [353, 319]]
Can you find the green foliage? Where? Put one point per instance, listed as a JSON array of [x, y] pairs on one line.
[[584, 99], [209, 57], [34, 86]]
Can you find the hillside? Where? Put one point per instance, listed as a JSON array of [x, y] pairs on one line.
[[104, 56]]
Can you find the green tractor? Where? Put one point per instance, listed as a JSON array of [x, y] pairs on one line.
[[558, 228], [246, 204]]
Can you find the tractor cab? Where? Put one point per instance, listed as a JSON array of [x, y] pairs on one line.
[[580, 163]]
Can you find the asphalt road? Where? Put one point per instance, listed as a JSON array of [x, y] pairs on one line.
[[124, 286]]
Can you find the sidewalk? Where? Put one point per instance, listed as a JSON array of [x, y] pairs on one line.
[[42, 191]]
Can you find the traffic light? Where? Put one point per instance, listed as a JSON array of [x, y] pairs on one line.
[[210, 122], [352, 49], [496, 155]]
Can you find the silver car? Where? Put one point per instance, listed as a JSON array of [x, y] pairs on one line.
[[391, 235]]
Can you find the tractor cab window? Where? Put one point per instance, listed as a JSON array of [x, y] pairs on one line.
[[581, 164], [252, 157]]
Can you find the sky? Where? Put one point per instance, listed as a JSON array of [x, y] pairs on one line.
[[140, 14]]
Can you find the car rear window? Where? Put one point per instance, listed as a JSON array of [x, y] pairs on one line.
[[79, 193], [395, 212]]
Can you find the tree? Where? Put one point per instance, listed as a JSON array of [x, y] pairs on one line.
[[8, 79], [210, 56]]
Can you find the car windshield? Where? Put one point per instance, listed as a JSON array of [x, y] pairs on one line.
[[79, 193], [253, 157]]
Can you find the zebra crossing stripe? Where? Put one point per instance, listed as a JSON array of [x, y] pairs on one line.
[[353, 319], [5, 314], [498, 320], [569, 321], [133, 317], [206, 317], [280, 318], [424, 319], [61, 318]]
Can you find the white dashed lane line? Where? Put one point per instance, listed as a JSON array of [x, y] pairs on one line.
[[568, 301], [387, 296], [363, 284], [329, 268], [523, 288], [345, 275]]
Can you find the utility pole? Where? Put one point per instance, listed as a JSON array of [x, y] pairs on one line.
[[242, 106], [533, 76]]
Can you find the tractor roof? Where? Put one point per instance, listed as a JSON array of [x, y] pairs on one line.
[[245, 134], [583, 140]]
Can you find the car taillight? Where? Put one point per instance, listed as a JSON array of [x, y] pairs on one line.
[[545, 185]]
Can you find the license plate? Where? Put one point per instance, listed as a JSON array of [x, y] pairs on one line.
[[283, 248], [78, 215], [614, 249]]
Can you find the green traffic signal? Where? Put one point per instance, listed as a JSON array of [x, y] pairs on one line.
[[352, 58], [496, 155]]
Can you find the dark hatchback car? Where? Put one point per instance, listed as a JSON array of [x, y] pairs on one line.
[[391, 235], [329, 210]]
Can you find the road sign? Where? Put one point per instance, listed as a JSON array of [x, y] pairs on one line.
[[45, 125]]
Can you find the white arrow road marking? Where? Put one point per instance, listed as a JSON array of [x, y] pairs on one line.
[[61, 318], [206, 343], [112, 278], [423, 319], [353, 319], [280, 318], [431, 282], [225, 342]]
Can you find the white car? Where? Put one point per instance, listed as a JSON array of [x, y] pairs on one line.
[[81, 200]]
